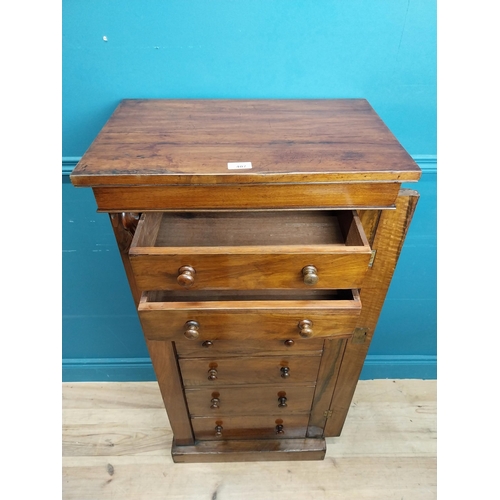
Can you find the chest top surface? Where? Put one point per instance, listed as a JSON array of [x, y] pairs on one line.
[[166, 142]]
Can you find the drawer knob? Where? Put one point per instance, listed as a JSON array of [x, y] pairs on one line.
[[191, 331], [215, 403], [282, 402], [279, 429], [285, 372], [212, 374], [289, 342], [218, 430], [207, 343], [305, 328], [310, 274], [186, 276]]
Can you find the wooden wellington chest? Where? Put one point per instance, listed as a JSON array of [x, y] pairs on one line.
[[259, 238]]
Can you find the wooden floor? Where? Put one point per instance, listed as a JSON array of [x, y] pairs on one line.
[[116, 445]]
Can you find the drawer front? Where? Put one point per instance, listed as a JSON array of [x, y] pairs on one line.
[[207, 349], [247, 271], [245, 320], [240, 371], [256, 400], [250, 251], [255, 427]]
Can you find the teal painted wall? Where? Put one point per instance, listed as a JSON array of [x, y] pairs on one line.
[[381, 50]]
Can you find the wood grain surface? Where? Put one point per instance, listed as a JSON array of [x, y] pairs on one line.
[[392, 227], [250, 427], [248, 320], [249, 228], [249, 370], [257, 450], [250, 400], [116, 444], [247, 268], [250, 250], [312, 155], [167, 141], [242, 196], [195, 349]]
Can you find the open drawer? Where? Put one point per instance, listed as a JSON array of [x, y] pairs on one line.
[[264, 315], [249, 250]]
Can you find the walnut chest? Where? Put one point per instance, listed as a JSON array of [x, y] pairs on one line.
[[259, 238]]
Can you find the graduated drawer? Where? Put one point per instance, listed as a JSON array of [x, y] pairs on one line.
[[249, 250], [240, 371], [219, 348], [255, 427], [275, 399], [233, 316]]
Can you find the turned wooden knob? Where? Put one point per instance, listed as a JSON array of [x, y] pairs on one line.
[[129, 221], [305, 328], [285, 372], [191, 331], [186, 276], [279, 429], [289, 342], [310, 274], [215, 402], [207, 343], [282, 402], [212, 374], [218, 430]]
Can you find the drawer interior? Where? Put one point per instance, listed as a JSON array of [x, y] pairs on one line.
[[250, 228], [166, 296]]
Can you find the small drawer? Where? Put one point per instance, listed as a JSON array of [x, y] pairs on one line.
[[241, 371], [249, 250], [249, 316], [255, 427], [219, 348], [249, 400]]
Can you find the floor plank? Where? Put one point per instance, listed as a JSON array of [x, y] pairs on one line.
[[116, 445]]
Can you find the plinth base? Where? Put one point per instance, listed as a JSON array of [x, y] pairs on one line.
[[250, 451]]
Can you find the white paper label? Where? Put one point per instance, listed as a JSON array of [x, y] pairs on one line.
[[239, 165]]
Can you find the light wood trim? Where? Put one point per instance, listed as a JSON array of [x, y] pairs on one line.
[[245, 306], [294, 249], [270, 250]]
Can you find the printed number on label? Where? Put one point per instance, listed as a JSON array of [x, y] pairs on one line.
[[241, 165]]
